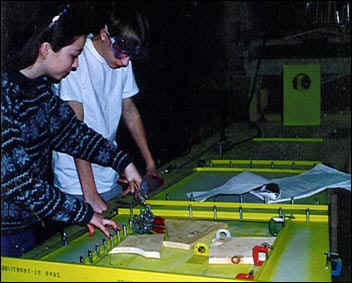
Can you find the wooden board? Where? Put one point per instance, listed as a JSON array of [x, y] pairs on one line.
[[223, 250], [183, 234], [147, 245]]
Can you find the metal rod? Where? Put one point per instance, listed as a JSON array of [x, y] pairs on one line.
[[64, 238], [131, 210], [307, 215], [90, 256], [97, 249], [130, 223], [124, 229]]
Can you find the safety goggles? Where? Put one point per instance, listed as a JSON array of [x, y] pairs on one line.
[[125, 47]]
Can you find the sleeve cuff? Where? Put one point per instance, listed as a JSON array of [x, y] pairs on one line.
[[123, 164], [89, 215]]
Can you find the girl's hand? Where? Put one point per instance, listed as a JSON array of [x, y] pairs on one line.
[[100, 222]]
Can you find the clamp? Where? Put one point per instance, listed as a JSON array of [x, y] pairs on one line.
[[336, 263], [149, 184], [256, 251]]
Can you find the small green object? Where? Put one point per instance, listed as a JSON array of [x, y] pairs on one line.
[[275, 225]]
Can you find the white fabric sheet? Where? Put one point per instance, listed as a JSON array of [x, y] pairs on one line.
[[313, 181]]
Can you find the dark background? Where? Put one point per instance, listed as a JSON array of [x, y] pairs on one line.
[[180, 99], [184, 47]]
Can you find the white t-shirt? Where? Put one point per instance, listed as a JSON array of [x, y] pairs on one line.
[[100, 89]]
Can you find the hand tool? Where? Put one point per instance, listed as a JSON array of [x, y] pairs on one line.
[[256, 250], [149, 184]]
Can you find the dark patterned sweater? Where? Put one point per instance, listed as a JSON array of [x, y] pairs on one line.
[[33, 123]]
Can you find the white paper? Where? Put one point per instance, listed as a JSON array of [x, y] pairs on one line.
[[239, 184], [317, 179]]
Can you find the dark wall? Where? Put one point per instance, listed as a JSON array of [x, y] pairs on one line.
[[185, 47]]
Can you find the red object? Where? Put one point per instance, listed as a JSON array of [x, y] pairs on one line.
[[158, 224], [247, 276], [256, 250], [159, 220], [158, 229]]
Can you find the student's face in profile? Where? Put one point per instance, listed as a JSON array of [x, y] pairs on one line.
[[114, 63], [59, 64], [109, 53]]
